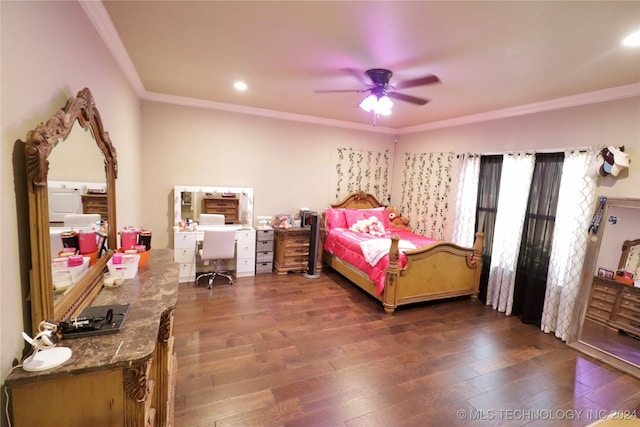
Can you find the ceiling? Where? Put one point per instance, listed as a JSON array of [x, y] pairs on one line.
[[489, 56]]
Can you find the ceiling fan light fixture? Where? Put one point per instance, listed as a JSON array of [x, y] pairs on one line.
[[369, 103], [384, 105]]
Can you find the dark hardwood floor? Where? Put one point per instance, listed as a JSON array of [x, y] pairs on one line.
[[289, 351]]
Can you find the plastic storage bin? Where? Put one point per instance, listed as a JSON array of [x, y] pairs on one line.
[[128, 267]]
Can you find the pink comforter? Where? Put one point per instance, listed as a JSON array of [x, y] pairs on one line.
[[345, 244]]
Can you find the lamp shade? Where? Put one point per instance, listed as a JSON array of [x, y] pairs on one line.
[[369, 103], [379, 105]]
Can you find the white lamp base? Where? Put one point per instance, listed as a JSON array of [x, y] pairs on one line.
[[46, 359]]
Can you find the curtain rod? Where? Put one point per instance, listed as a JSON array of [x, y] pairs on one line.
[[579, 149]]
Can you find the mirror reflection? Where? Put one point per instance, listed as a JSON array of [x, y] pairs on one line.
[[71, 147], [611, 323], [235, 203], [78, 214]]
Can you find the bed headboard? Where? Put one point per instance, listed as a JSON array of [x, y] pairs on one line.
[[358, 200]]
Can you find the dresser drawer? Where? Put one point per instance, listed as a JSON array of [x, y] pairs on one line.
[[264, 256], [246, 252], [264, 245], [185, 255], [264, 267], [245, 267], [184, 240], [187, 271], [604, 295], [631, 295], [601, 311], [244, 237], [264, 235], [629, 304]]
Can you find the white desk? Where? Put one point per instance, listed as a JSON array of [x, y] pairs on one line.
[[185, 245]]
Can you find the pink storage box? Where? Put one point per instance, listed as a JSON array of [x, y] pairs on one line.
[[74, 260]]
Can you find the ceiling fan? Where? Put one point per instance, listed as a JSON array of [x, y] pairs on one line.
[[380, 86]]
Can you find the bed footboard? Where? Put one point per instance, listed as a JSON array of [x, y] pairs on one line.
[[441, 270]]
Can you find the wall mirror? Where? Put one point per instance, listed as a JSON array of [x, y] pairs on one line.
[[607, 313], [80, 118], [235, 202]]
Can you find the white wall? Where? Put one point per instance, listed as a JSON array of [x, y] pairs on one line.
[[50, 51], [606, 123], [288, 164]]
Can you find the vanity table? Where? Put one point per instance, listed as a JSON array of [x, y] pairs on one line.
[[121, 379], [185, 244], [235, 203]]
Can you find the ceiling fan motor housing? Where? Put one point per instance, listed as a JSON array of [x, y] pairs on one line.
[[380, 76]]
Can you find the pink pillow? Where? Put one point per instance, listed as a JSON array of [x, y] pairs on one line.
[[354, 215], [334, 218]]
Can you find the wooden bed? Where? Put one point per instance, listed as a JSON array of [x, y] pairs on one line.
[[437, 271]]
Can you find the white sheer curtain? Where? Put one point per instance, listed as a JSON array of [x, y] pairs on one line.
[[466, 201], [515, 182], [575, 201]]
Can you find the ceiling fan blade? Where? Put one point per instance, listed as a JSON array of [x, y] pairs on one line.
[[339, 91], [407, 98], [426, 80], [358, 74]]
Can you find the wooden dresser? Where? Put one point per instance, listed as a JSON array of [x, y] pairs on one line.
[[227, 206], [615, 305], [291, 250], [95, 204], [121, 379]]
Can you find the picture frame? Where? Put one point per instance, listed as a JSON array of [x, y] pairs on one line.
[[101, 243], [607, 274]]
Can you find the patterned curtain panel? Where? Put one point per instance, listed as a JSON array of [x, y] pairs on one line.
[[466, 200], [363, 170], [577, 193], [426, 182], [515, 181]]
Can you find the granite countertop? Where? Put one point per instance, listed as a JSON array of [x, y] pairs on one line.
[[153, 291]]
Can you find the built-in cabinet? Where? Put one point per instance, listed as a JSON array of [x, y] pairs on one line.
[[121, 379]]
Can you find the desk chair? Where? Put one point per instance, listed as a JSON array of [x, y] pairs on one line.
[[81, 220], [211, 219], [218, 244]]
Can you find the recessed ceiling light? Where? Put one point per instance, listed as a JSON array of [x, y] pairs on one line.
[[240, 85], [632, 39]]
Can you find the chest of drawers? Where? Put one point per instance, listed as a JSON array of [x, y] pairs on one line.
[[95, 204], [292, 250], [615, 305], [227, 206], [264, 250]]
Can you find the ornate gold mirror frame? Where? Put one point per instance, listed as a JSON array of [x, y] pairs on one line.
[[630, 256], [38, 146]]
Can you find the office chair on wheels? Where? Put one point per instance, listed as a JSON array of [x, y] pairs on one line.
[[219, 244], [212, 219]]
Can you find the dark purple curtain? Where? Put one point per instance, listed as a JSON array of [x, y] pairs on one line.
[[488, 191], [535, 248]]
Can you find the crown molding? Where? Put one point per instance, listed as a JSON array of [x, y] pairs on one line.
[[604, 95], [273, 114], [101, 21]]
